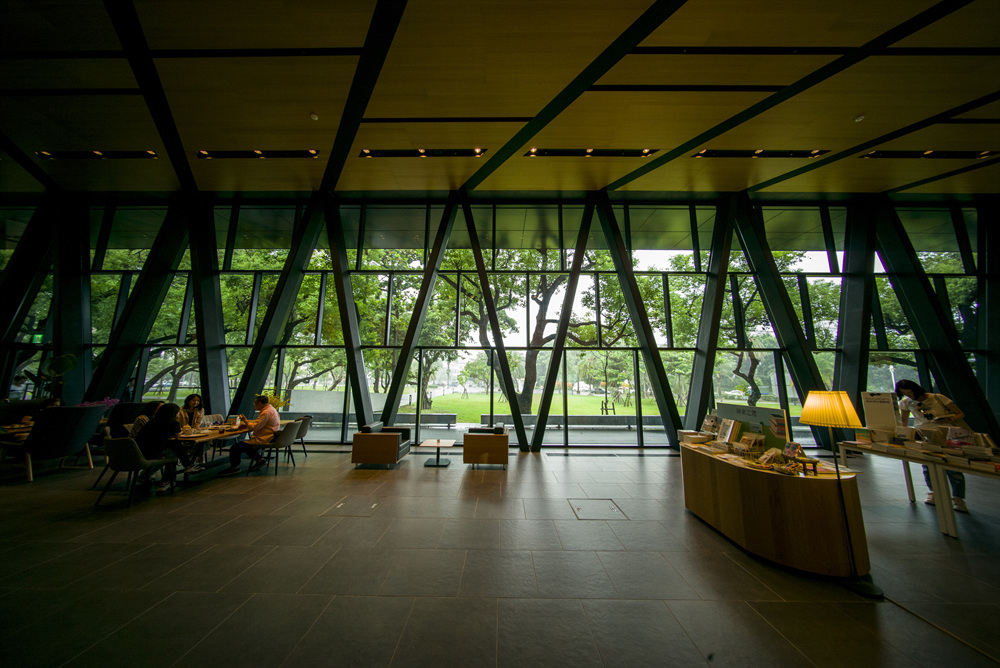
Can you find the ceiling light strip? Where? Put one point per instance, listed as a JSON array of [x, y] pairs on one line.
[[421, 152], [589, 152], [449, 119], [684, 88]]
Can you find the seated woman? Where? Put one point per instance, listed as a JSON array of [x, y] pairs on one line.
[[148, 411], [193, 412], [160, 435]]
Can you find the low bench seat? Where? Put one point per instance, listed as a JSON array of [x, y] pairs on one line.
[[377, 444]]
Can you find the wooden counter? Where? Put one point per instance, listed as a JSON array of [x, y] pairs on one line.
[[795, 521]]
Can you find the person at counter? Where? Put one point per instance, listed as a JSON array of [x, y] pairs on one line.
[[262, 432], [933, 410], [193, 412]]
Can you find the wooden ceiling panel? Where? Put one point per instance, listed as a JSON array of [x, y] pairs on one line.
[[14, 179], [254, 24], [614, 120], [51, 73], [56, 24], [890, 92], [974, 25], [423, 174], [782, 22], [113, 175], [711, 70], [857, 174], [279, 174], [493, 58], [948, 137], [689, 174], [248, 103], [79, 123], [984, 181]]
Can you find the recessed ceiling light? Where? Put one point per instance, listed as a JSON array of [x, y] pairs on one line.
[[315, 117], [859, 118], [98, 153]]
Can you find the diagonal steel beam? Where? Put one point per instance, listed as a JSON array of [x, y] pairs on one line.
[[128, 28], [640, 318], [849, 59], [71, 298], [131, 333], [25, 271], [559, 344], [932, 324], [640, 29], [988, 361], [854, 328], [750, 230], [402, 370], [203, 281], [357, 379], [283, 300], [491, 311], [707, 346], [381, 31]]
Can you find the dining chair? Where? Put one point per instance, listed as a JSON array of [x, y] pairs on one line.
[[282, 442], [124, 455], [304, 423]]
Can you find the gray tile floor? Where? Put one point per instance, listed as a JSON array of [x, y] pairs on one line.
[[327, 564]]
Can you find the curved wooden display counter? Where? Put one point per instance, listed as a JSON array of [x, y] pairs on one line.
[[795, 521]]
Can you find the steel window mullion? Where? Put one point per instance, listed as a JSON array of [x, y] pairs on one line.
[[637, 397], [356, 375], [962, 237], [807, 315], [669, 320], [828, 238], [932, 324], [304, 237], [700, 395], [389, 296], [420, 308], [739, 321], [749, 228], [184, 321], [258, 278], [562, 328], [320, 309], [103, 237], [695, 241], [204, 282], [988, 280], [132, 331], [858, 303], [491, 312], [458, 309], [231, 236], [640, 318]]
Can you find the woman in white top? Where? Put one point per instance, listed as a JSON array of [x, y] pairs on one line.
[[933, 410]]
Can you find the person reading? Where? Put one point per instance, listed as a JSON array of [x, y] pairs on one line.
[[931, 409], [262, 429]]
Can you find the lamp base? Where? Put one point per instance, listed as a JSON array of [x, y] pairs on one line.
[[863, 585]]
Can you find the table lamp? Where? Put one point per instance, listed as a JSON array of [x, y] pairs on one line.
[[834, 409]]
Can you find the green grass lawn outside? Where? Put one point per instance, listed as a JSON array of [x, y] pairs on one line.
[[469, 409]]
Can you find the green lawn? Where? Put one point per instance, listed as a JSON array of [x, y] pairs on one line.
[[470, 408]]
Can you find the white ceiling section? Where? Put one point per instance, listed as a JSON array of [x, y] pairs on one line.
[[716, 74]]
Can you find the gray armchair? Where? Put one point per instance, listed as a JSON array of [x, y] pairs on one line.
[[283, 441]]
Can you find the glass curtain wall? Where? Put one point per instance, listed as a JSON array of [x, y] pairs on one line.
[[454, 377]]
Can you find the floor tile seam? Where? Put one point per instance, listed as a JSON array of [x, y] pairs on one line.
[[152, 546], [728, 555], [778, 631], [902, 649], [77, 547], [256, 561], [684, 630], [181, 658], [118, 628], [107, 565]]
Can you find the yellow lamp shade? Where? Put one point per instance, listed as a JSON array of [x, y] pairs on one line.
[[830, 409]]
